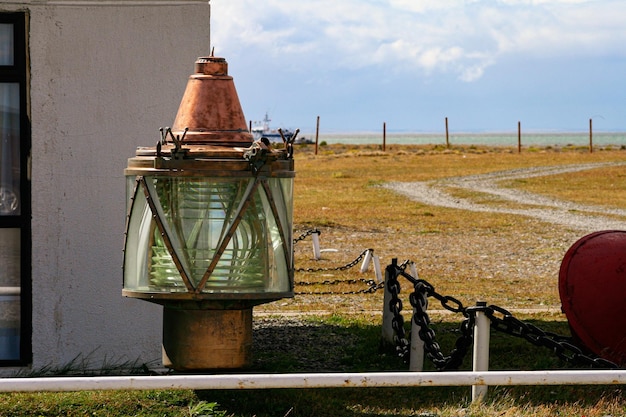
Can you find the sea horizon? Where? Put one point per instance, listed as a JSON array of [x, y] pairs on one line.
[[539, 138]]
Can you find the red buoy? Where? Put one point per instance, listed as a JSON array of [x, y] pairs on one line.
[[592, 287]]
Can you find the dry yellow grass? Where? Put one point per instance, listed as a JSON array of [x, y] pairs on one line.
[[507, 260], [606, 187]]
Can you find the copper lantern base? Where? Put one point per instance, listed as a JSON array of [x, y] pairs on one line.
[[205, 340]]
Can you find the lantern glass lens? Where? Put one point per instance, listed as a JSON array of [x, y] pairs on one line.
[[221, 234]]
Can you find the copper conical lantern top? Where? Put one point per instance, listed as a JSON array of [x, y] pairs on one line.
[[210, 107]]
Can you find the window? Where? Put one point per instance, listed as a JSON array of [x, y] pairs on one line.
[[15, 241]]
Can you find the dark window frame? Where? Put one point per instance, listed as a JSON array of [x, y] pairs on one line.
[[18, 73]]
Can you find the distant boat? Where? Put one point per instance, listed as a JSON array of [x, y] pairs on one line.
[[262, 130]]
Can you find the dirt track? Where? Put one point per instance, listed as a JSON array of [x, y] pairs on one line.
[[576, 216]]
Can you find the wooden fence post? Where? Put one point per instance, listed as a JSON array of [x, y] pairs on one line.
[[519, 137], [590, 135], [447, 136], [384, 136], [317, 134]]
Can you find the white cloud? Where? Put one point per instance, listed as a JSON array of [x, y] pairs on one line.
[[424, 37], [423, 6]]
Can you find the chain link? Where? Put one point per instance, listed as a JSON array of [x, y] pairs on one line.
[[305, 235], [372, 286], [562, 346], [338, 268], [397, 322], [501, 320], [422, 290]]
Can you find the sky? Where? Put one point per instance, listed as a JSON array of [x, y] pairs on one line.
[[484, 64]]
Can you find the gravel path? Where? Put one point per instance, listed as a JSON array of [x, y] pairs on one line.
[[576, 216]]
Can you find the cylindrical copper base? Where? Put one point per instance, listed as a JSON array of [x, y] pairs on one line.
[[205, 340]]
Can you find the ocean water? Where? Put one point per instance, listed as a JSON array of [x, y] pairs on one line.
[[489, 139]]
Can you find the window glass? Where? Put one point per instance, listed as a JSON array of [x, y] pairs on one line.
[[10, 257], [15, 231], [9, 149], [10, 294], [6, 44]]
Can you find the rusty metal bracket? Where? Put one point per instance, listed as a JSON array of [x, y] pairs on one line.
[[178, 153], [289, 142], [256, 155]]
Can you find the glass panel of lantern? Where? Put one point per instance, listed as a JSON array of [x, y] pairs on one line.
[[179, 225]]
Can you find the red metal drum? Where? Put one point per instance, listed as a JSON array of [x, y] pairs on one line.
[[592, 287]]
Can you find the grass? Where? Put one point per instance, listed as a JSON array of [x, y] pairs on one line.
[[453, 247], [574, 186], [360, 352], [338, 192]]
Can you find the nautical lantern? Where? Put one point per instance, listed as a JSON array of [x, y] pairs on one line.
[[209, 226]]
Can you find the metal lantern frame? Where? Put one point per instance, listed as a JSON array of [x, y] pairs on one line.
[[258, 165]]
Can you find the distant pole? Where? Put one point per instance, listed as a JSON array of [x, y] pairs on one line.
[[590, 135], [519, 137], [384, 136], [250, 126], [317, 134], [447, 136]]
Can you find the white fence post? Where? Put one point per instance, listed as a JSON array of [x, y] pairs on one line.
[[387, 327], [414, 270], [317, 254], [416, 363], [378, 273], [481, 350], [366, 260]]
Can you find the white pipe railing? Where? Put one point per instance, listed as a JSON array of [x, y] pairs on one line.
[[10, 290], [314, 380], [480, 358]]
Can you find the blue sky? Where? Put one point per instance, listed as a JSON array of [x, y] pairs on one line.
[[483, 64]]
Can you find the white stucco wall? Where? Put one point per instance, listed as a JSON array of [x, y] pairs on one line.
[[105, 75]]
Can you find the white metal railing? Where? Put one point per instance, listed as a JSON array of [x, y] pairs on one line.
[[315, 380], [10, 291]]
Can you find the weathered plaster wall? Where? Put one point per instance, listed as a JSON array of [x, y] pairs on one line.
[[105, 75]]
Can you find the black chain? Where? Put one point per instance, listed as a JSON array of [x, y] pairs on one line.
[[562, 346], [397, 322], [338, 268], [372, 286], [422, 290], [305, 235], [501, 320]]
